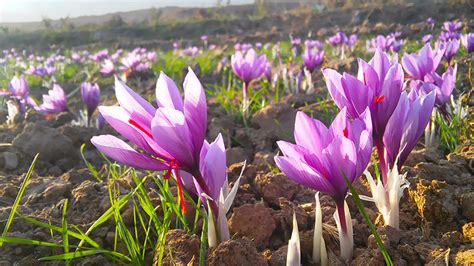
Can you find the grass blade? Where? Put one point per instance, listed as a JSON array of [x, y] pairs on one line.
[[18, 198]]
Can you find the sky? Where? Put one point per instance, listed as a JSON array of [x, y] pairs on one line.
[[36, 10]]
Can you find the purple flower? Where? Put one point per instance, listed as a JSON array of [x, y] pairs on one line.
[[310, 44], [430, 21], [170, 137], [107, 68], [76, 57], [53, 102], [321, 156], [386, 43], [427, 38], [340, 38], [152, 56], [378, 86], [426, 61], [102, 54], [442, 85], [258, 45], [90, 96], [312, 58], [452, 26], [18, 90], [249, 66], [268, 71], [406, 125], [352, 40], [130, 62], [447, 36], [191, 51], [468, 41], [450, 48], [204, 38], [176, 45]]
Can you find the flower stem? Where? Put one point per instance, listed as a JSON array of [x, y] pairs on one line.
[[344, 226], [383, 164]]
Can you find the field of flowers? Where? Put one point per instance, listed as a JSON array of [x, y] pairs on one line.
[[328, 149]]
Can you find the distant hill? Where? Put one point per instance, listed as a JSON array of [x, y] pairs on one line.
[[166, 14]]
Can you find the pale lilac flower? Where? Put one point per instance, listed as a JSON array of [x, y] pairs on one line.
[[378, 86], [427, 38], [53, 102], [90, 94], [406, 126], [426, 61], [18, 91], [322, 157], [312, 58], [468, 41], [107, 68]]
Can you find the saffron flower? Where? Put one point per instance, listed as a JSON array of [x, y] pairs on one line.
[[18, 91], [53, 102], [404, 129], [427, 38], [378, 86], [450, 49], [107, 68], [248, 67], [90, 96], [468, 41], [322, 157], [171, 137], [406, 126], [442, 85], [426, 61], [312, 58]]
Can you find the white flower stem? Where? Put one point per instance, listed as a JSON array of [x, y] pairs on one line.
[[344, 227], [293, 256], [319, 246]]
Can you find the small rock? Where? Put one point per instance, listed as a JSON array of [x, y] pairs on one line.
[[271, 123], [435, 202], [48, 142], [392, 234], [278, 257], [10, 160], [235, 253], [272, 187], [180, 249], [467, 205], [254, 221]]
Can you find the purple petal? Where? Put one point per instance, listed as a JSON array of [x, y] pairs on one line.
[[167, 94], [195, 110], [305, 126], [170, 131], [302, 173], [121, 152]]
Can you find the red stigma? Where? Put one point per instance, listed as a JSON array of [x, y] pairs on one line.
[[378, 99], [345, 132], [135, 124], [174, 165]]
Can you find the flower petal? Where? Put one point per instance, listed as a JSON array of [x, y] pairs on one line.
[[167, 94], [120, 151], [195, 110]]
